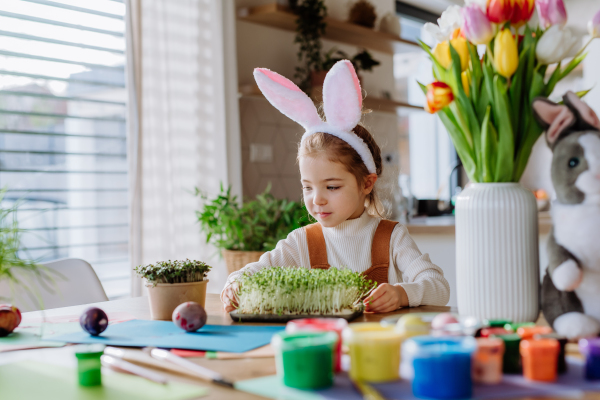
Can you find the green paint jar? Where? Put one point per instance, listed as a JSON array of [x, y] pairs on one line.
[[88, 364], [305, 360], [511, 362], [515, 326], [497, 323]]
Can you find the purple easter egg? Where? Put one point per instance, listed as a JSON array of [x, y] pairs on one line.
[[189, 316], [94, 321]]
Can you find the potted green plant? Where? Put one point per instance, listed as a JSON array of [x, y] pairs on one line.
[[310, 26], [14, 270], [243, 232], [171, 283]]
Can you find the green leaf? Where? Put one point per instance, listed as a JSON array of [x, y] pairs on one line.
[[506, 144], [488, 144]]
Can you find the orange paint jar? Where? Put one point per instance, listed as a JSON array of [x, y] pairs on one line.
[[528, 332], [487, 360], [540, 358]]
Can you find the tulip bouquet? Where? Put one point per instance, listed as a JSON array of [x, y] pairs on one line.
[[485, 101]]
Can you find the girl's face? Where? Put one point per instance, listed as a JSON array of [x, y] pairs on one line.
[[331, 192]]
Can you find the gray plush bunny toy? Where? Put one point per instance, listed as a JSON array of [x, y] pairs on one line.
[[570, 294]]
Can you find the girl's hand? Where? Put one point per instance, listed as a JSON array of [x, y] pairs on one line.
[[386, 298], [229, 303]]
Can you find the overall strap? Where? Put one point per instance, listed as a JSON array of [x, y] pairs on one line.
[[317, 250], [380, 252]]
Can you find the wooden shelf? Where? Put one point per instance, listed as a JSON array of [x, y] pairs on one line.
[[371, 103], [277, 16]]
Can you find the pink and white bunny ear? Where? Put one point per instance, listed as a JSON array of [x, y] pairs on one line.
[[555, 118], [285, 96], [585, 112], [342, 97]]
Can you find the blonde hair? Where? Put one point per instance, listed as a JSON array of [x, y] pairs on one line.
[[341, 152]]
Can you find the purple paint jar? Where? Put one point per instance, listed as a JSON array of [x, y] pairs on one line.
[[590, 348]]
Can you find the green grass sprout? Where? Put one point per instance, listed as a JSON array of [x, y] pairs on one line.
[[293, 290]]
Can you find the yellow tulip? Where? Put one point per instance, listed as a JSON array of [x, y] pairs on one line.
[[466, 82], [506, 54], [442, 52]]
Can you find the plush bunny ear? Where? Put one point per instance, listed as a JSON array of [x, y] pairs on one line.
[[285, 96], [342, 97], [555, 118], [585, 112]]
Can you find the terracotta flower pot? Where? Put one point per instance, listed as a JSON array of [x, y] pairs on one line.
[[165, 297]]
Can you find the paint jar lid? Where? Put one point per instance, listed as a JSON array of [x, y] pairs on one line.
[[528, 332], [87, 351], [590, 346], [496, 323], [286, 341], [363, 332], [490, 345], [539, 346], [487, 332], [413, 323], [430, 346], [514, 327], [316, 324]]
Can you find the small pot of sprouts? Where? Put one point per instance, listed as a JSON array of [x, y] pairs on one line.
[[302, 291], [171, 283]]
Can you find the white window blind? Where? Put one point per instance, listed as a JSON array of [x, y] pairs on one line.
[[62, 131]]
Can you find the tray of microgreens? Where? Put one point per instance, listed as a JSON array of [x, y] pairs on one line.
[[280, 294]]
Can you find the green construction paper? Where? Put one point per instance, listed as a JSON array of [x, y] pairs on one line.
[[273, 388], [57, 382]]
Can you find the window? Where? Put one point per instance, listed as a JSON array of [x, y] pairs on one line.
[[63, 131], [429, 157]]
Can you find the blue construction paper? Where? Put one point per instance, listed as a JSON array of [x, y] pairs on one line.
[[141, 333], [272, 387]]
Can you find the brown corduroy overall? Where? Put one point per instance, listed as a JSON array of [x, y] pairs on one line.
[[380, 250]]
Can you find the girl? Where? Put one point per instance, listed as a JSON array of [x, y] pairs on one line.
[[339, 165]]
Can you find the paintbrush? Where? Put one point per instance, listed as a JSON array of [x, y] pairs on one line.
[[367, 391], [119, 364], [198, 370]]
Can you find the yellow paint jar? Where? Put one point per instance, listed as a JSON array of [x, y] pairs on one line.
[[374, 352]]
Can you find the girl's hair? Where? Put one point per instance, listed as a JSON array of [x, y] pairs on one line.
[[339, 151]]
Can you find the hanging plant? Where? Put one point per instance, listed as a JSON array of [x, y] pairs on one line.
[[310, 26]]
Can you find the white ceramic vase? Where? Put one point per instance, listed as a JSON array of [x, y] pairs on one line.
[[497, 260]]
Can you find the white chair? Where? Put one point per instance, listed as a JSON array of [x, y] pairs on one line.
[[75, 283]]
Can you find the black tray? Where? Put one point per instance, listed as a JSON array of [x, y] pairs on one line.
[[273, 318]]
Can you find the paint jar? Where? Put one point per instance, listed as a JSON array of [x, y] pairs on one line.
[[88, 364], [374, 352], [497, 323], [590, 348], [511, 362], [487, 360], [304, 360], [487, 332], [528, 332], [411, 325], [442, 366], [562, 341], [540, 359], [513, 327], [336, 325]]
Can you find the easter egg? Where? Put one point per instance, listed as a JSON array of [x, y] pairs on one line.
[[10, 318], [189, 316], [94, 321], [443, 319]]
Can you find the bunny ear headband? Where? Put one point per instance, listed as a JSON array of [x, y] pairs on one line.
[[342, 103]]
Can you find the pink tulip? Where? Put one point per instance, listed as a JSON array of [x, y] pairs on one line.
[[551, 12], [594, 26], [476, 27]]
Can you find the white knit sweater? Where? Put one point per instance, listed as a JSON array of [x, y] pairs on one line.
[[349, 245]]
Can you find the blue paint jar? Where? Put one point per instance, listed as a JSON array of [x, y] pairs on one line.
[[590, 348], [442, 366]]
